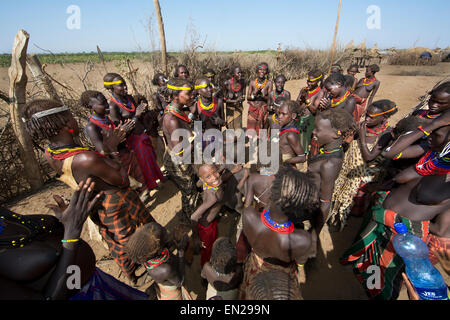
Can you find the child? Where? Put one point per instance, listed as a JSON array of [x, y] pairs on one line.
[[365, 90], [234, 97], [279, 92], [223, 273], [181, 71], [217, 90], [291, 150], [331, 128], [160, 98], [209, 109], [148, 246], [352, 71], [258, 95], [338, 96], [438, 103], [363, 163], [204, 222]]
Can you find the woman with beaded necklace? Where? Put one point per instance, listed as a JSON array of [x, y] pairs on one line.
[[420, 200], [122, 108], [234, 96], [121, 209], [276, 235], [258, 95], [365, 90]]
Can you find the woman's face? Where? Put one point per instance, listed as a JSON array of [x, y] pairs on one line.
[[323, 131], [237, 74], [284, 115], [261, 72], [439, 102], [279, 84], [99, 105], [334, 89], [183, 73], [374, 121], [73, 124], [353, 71], [121, 88], [369, 73], [207, 91], [185, 97], [161, 81]]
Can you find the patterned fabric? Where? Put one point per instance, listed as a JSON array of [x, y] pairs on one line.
[[146, 157], [373, 247], [102, 286], [173, 293], [254, 265], [360, 107], [257, 113], [435, 242], [207, 235], [183, 177], [354, 172], [121, 213]]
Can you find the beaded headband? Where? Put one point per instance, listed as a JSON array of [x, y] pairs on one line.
[[315, 79], [381, 113], [112, 83], [209, 75], [48, 112], [201, 86], [178, 88]]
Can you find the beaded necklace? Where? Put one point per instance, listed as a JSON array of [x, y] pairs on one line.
[[232, 85], [260, 86], [104, 123], [336, 102], [323, 151], [432, 163], [292, 128], [208, 187], [426, 114], [153, 263], [120, 104], [368, 82], [282, 228], [64, 152], [177, 113], [275, 95], [207, 110], [32, 227], [313, 92], [373, 132]]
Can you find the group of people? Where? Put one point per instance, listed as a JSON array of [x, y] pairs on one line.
[[338, 157]]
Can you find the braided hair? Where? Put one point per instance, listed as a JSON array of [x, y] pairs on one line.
[[223, 257], [294, 193], [85, 99], [145, 243], [274, 285], [48, 126], [340, 120]]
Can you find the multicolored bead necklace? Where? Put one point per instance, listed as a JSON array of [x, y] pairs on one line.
[[432, 163], [368, 82], [177, 113], [153, 263], [373, 132], [260, 86], [336, 102], [129, 107], [313, 92], [104, 123], [232, 85], [282, 228], [207, 110], [64, 152]]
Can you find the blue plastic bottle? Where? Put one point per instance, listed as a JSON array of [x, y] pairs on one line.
[[425, 278]]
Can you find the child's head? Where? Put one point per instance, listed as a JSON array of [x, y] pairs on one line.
[[353, 69], [315, 78], [181, 71], [180, 91], [139, 99], [287, 112], [209, 174], [45, 119], [236, 72], [203, 87], [334, 84], [95, 101], [210, 74], [147, 242], [440, 98], [379, 111], [294, 193], [371, 70], [280, 80], [159, 79], [336, 68], [115, 84], [223, 256], [262, 70], [331, 125], [407, 125], [273, 285]]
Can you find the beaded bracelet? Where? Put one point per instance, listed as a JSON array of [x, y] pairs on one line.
[[397, 156], [421, 129], [69, 240]]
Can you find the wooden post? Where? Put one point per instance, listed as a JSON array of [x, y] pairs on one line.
[[43, 81], [17, 93], [334, 38], [162, 35]]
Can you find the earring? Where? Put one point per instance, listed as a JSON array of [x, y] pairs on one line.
[[70, 131]]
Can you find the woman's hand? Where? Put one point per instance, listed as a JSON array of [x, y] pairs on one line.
[[443, 257], [113, 137], [412, 293], [74, 215], [141, 109], [324, 103], [128, 126]]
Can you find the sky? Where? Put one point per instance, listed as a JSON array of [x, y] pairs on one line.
[[228, 25]]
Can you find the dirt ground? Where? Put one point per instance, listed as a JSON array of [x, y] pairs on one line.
[[325, 278]]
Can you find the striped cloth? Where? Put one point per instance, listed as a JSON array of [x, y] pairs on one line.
[[374, 246], [437, 243], [121, 213], [257, 114], [146, 157]]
